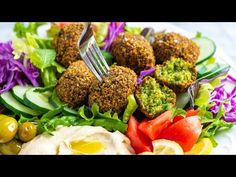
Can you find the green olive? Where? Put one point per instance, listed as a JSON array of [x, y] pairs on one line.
[[12, 147], [27, 131], [8, 128]]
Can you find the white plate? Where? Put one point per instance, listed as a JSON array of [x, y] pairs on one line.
[[227, 139]]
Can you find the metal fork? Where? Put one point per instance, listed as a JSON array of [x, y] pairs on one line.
[[91, 53]]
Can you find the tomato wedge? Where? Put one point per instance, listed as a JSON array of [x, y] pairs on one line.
[[192, 112], [153, 128], [139, 141], [177, 118], [185, 132]]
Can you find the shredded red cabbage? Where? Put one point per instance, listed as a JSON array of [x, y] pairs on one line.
[[231, 78], [145, 73], [15, 72], [228, 99], [114, 29]]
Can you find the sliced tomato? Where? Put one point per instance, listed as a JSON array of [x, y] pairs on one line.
[[61, 24], [192, 112], [139, 141], [177, 118], [185, 132], [153, 128]]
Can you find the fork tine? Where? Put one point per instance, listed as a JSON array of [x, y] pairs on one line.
[[96, 57], [93, 62], [90, 66], [102, 59]]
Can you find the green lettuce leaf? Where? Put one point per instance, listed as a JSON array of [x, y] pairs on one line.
[[21, 46], [130, 108], [203, 96], [111, 124], [59, 67], [85, 113], [23, 119], [100, 32], [177, 112], [107, 115], [211, 124], [198, 35], [42, 58], [44, 43], [94, 113], [133, 30], [20, 29], [54, 29]]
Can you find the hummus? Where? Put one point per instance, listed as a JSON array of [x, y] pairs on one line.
[[78, 140]]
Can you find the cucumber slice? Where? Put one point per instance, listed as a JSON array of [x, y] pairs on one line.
[[38, 101], [207, 69], [55, 101], [207, 48], [11, 103], [69, 111], [19, 91], [220, 70]]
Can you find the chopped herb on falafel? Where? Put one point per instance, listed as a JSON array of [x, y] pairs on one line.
[[154, 98], [176, 74]]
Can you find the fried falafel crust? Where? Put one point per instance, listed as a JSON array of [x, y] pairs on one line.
[[112, 93], [73, 86], [167, 45], [65, 43], [133, 51]]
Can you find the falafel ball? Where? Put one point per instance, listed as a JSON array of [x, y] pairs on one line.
[[167, 45], [177, 74], [73, 86], [112, 92], [65, 43], [153, 98], [133, 51]]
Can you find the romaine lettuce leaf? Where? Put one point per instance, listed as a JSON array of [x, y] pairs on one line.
[[20, 29]]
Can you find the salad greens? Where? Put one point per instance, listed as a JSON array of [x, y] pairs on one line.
[[203, 97], [215, 110], [52, 119], [108, 57], [133, 30], [41, 53], [213, 124], [15, 72], [42, 58], [88, 114], [101, 31], [54, 29], [20, 29], [177, 112], [130, 109], [29, 57]]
